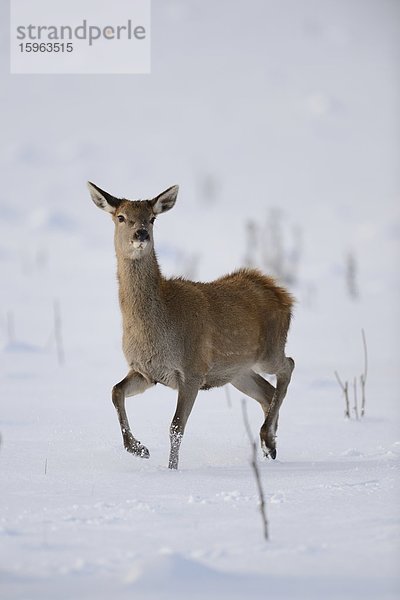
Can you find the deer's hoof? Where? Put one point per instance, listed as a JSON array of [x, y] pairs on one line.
[[138, 450], [268, 452]]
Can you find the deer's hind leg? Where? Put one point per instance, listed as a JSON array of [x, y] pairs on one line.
[[132, 384], [255, 386], [270, 425]]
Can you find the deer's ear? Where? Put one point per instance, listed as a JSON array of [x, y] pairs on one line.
[[165, 201], [103, 199]]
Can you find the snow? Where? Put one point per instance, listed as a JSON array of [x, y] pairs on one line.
[[301, 114]]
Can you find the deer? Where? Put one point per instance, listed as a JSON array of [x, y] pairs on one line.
[[190, 335]]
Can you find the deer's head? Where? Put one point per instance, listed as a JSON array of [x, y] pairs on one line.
[[133, 219]]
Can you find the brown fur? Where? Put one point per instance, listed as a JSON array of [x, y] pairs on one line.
[[191, 335]]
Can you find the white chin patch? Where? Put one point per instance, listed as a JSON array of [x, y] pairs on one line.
[[139, 245]]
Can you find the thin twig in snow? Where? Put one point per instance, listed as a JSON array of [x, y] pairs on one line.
[[355, 407], [363, 377], [254, 465], [58, 333], [345, 388]]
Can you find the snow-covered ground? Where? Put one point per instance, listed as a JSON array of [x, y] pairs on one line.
[[250, 106]]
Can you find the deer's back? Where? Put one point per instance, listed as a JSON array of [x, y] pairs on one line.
[[236, 321], [245, 295]]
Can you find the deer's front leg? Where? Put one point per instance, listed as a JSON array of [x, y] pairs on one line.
[[132, 384], [186, 397]]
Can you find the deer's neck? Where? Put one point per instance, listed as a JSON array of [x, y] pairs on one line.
[[140, 288]]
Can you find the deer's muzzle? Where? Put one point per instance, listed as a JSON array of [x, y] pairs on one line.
[[142, 235]]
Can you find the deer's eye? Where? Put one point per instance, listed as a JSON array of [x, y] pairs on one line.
[[121, 218], [152, 220]]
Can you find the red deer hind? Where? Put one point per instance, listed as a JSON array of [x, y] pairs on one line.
[[193, 336]]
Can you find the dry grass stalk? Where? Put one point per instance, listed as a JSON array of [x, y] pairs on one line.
[[345, 388], [363, 377], [355, 406], [58, 333], [256, 471]]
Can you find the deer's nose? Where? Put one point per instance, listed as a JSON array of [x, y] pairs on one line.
[[142, 235]]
